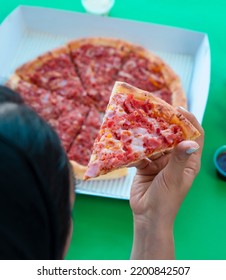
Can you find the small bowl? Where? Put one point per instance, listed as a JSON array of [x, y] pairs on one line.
[[220, 162], [98, 7]]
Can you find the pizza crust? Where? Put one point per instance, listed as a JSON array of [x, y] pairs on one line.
[[122, 46], [29, 68], [79, 171], [13, 82]]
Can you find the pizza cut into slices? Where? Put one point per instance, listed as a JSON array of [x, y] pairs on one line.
[[98, 61], [147, 71], [80, 150], [69, 123], [44, 102], [136, 125], [54, 71], [66, 116]]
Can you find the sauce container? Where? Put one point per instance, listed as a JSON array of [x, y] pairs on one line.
[[98, 7], [220, 162]]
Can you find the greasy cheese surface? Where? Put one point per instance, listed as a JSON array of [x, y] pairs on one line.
[[130, 131]]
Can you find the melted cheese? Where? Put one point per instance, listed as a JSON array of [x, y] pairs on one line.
[[137, 145]]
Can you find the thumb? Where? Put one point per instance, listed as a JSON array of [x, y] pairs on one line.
[[183, 165]]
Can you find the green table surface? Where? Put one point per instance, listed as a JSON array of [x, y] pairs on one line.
[[103, 227]]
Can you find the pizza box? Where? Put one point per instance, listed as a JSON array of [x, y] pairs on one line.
[[30, 31]]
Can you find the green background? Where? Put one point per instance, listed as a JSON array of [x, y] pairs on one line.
[[103, 226]]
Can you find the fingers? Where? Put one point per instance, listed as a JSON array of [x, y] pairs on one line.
[[140, 164], [196, 124], [158, 155], [144, 163], [183, 165], [152, 167]]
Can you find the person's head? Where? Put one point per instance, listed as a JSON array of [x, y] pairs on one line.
[[35, 185], [8, 95]]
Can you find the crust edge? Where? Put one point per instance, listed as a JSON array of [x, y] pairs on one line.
[[79, 171]]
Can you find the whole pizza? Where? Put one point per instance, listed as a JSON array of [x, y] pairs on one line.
[[70, 88]]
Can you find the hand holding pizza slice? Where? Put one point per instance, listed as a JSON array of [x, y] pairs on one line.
[[136, 125]]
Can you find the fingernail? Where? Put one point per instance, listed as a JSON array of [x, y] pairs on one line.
[[147, 159], [182, 108], [191, 150]]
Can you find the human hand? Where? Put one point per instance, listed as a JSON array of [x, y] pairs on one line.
[[159, 188]]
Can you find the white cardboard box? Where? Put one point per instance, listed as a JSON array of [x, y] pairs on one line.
[[30, 31]]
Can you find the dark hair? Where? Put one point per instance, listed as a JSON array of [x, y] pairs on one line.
[[32, 139], [8, 95]]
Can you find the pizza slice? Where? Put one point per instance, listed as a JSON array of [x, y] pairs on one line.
[[136, 125], [54, 71], [98, 61], [147, 71]]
